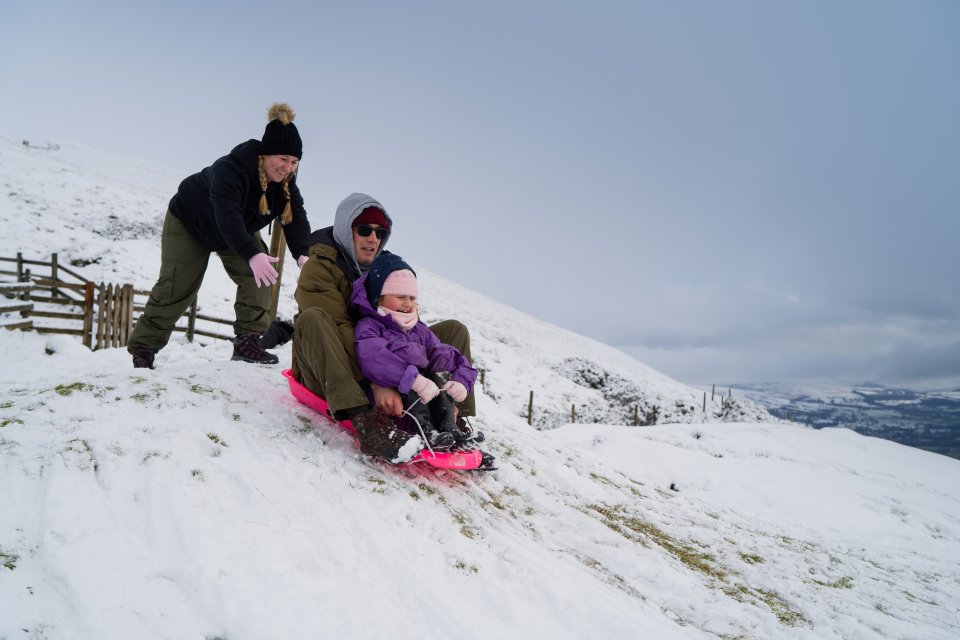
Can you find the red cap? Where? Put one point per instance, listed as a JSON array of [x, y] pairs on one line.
[[372, 215]]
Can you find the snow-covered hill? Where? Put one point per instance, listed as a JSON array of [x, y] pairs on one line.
[[199, 500]]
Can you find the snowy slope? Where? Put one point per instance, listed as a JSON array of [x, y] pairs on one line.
[[199, 500]]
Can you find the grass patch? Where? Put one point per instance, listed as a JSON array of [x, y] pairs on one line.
[[8, 560], [466, 530], [427, 489], [629, 526], [463, 566], [846, 582], [198, 474], [781, 609], [602, 479], [306, 424], [6, 404], [214, 438], [67, 389], [7, 421], [776, 604], [751, 558]]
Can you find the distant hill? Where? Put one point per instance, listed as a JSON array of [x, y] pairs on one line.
[[929, 420]]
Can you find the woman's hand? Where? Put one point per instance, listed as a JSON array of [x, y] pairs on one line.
[[263, 271]]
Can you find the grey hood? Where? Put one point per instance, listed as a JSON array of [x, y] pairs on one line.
[[347, 211]]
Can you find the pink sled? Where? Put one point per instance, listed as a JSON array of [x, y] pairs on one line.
[[442, 459]]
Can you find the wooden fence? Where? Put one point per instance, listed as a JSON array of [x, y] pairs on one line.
[[101, 314]]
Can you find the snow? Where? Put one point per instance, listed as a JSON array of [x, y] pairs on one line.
[[200, 500]]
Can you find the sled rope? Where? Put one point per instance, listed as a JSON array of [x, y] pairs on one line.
[[406, 412]]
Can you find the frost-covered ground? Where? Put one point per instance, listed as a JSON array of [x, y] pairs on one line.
[[200, 500]]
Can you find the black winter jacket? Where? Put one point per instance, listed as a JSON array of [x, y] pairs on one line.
[[220, 206]]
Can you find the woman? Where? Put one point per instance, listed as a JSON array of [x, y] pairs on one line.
[[222, 209]]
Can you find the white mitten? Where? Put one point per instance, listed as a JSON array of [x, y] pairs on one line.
[[425, 388], [455, 390]]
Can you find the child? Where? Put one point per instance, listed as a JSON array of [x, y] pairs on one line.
[[395, 349]]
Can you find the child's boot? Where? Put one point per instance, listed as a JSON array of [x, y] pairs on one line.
[[420, 412]]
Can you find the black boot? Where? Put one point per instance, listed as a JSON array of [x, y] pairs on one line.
[[379, 437], [279, 332], [143, 358], [467, 434], [247, 347], [439, 439]]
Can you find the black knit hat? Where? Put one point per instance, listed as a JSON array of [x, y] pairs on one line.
[[281, 137]]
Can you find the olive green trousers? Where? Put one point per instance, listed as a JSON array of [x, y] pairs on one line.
[[183, 263]]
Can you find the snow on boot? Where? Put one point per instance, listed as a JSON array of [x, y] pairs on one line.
[[143, 358], [487, 462], [425, 418], [440, 440], [246, 347], [379, 437], [466, 433]]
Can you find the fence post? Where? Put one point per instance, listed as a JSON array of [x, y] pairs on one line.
[[192, 320], [126, 314], [115, 308], [103, 317], [278, 244], [530, 409], [54, 275], [19, 267], [573, 413], [87, 314]]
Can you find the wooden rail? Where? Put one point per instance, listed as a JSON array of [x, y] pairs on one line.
[[104, 311]]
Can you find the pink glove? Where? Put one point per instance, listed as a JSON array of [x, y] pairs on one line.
[[425, 388], [263, 271], [301, 260], [455, 390]]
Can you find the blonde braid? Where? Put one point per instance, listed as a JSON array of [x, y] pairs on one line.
[[264, 209], [287, 211]]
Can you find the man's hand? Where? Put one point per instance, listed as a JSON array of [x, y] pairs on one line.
[[387, 400]]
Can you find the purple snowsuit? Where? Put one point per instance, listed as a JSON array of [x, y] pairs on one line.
[[391, 357]]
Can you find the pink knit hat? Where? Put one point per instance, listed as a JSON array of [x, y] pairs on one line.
[[400, 283]]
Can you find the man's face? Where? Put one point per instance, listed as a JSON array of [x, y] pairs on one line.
[[365, 246]]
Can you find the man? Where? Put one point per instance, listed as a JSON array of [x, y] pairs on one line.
[[324, 359]]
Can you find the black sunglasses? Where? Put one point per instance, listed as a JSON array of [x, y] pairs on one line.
[[365, 230]]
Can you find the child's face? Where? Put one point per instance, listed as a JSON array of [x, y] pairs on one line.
[[403, 304]]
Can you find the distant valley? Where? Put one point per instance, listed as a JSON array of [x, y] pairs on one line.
[[925, 419]]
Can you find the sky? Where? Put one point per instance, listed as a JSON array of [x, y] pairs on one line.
[[729, 192]]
